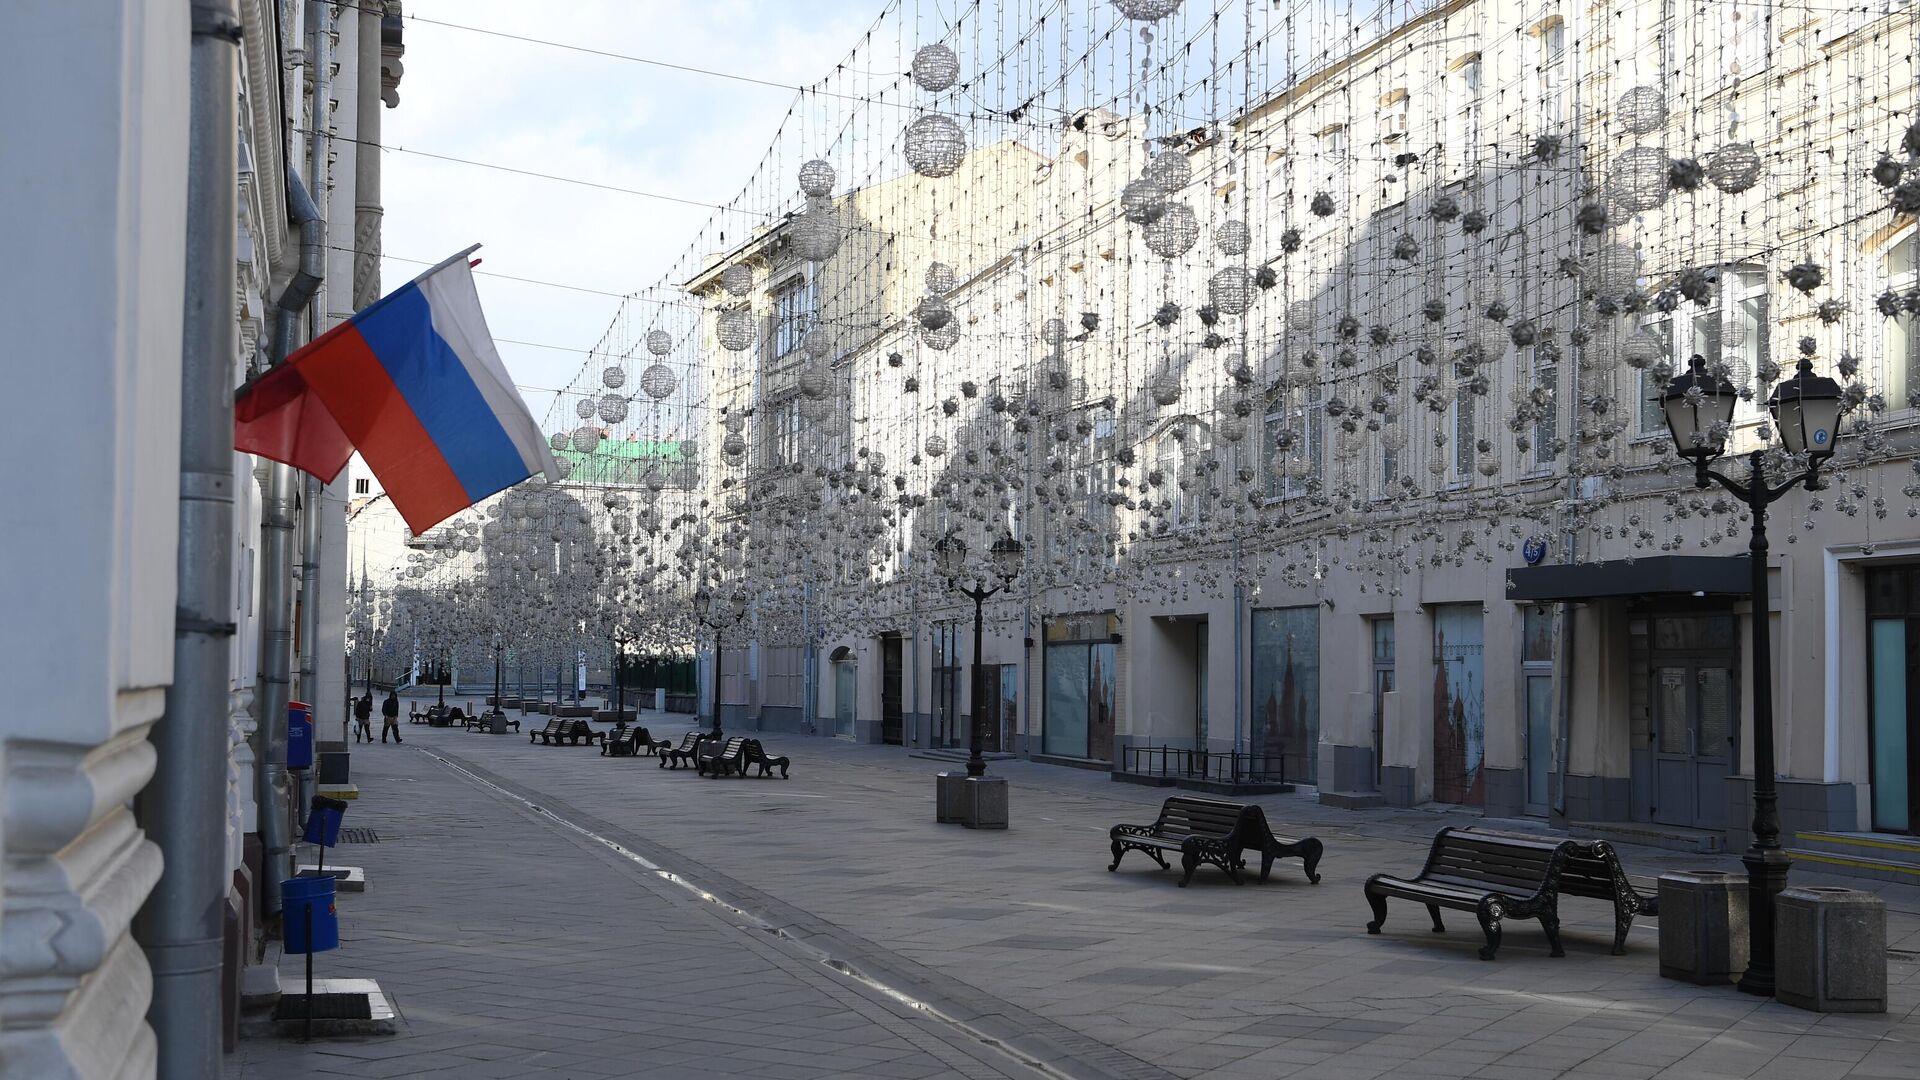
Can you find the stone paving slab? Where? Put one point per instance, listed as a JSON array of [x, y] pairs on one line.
[[513, 947], [1024, 935]]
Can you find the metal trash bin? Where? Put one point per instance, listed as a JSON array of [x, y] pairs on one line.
[[1703, 926], [1830, 950]]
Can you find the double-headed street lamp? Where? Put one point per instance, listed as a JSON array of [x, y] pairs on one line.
[[1005, 558], [1806, 409], [716, 616]]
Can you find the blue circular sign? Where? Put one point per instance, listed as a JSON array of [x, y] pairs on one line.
[[1820, 436], [1533, 550]]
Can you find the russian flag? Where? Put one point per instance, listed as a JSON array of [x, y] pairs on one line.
[[415, 384]]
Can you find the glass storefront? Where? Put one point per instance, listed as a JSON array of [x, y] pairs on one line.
[[1286, 692], [1077, 720]]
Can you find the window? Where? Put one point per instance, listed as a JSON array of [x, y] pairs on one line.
[[1463, 123], [794, 306], [1184, 461], [1902, 375], [1093, 481], [1546, 376], [1550, 73], [1732, 328], [1295, 444], [780, 433], [362, 486], [1465, 432]]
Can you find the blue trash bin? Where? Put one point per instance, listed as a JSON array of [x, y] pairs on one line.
[[323, 821], [308, 902]]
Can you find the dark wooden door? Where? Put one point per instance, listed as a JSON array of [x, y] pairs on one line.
[[892, 719]]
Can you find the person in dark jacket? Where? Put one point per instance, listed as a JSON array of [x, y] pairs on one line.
[[363, 718], [390, 716]]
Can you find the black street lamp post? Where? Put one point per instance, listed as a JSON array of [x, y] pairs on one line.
[[716, 616], [1806, 409], [1006, 556]]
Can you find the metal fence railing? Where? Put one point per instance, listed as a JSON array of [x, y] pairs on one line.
[[1219, 766]]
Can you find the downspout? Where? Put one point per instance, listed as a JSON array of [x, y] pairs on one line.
[[1563, 663], [313, 246], [276, 530], [183, 808]]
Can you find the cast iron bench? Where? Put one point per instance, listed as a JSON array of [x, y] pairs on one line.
[[481, 721], [677, 756], [756, 754], [1209, 830], [731, 757], [576, 731], [627, 742], [545, 734], [1495, 876], [1591, 869]]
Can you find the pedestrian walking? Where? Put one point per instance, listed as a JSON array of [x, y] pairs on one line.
[[390, 716], [363, 718]]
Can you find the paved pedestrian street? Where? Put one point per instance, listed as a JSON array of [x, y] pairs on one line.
[[547, 911]]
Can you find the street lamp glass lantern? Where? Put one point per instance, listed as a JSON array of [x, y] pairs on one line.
[[1007, 556], [737, 604], [702, 604], [951, 553], [1699, 410], [1806, 409]]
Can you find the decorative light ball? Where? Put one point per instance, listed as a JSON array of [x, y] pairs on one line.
[[584, 408], [1142, 202], [613, 377], [737, 279], [1641, 350], [816, 344], [657, 381], [586, 438], [1231, 290], [1174, 234], [816, 233], [1231, 428], [816, 178], [813, 408], [613, 408], [1147, 10], [935, 145], [1642, 110], [1639, 179], [1165, 388], [1734, 167], [1053, 331], [734, 446], [1233, 237], [933, 313], [941, 278], [563, 468], [935, 68], [934, 446], [659, 342], [558, 440], [943, 338], [814, 383], [1170, 170], [736, 422], [735, 330], [1487, 341], [1615, 270]]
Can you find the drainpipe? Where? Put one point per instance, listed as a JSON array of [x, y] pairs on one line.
[[313, 239], [183, 808], [276, 524]]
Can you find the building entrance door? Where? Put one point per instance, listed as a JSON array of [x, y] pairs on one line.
[[891, 717], [845, 682], [1693, 718], [1893, 721]]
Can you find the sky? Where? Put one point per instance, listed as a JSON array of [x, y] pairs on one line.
[[609, 121]]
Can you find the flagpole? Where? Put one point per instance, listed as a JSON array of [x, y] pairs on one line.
[[458, 256]]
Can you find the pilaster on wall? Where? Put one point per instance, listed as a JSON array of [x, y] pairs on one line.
[[92, 289]]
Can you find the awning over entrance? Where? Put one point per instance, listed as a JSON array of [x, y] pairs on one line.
[[1688, 575]]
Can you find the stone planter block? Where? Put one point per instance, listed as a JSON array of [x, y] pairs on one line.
[[1830, 950], [1703, 926], [984, 802], [947, 798]]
